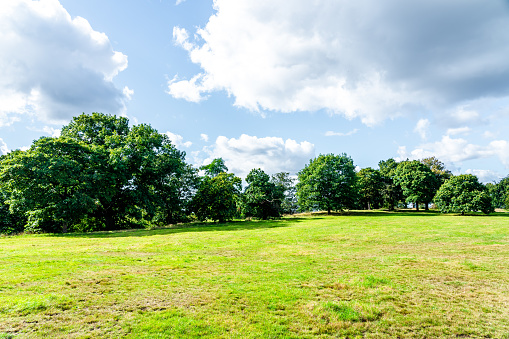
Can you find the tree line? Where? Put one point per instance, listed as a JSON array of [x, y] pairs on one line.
[[101, 174]]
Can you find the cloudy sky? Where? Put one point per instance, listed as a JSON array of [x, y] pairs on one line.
[[268, 84]]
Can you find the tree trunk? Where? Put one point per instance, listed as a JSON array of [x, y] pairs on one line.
[[328, 211], [426, 206], [369, 206], [417, 206]]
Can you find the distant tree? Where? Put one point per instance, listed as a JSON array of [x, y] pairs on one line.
[[392, 193], [371, 186], [418, 182], [216, 197], [286, 185], [262, 198], [463, 193], [328, 182], [438, 168], [499, 192], [215, 167]]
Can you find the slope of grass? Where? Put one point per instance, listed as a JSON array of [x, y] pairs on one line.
[[373, 275]]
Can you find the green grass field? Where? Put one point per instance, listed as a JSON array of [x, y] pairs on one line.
[[368, 274]]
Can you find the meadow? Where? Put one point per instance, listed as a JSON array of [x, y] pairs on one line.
[[361, 274]]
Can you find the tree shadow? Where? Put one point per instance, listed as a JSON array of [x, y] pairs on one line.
[[197, 227]]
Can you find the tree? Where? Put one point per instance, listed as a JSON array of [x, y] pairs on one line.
[[156, 173], [53, 184], [418, 182], [463, 193], [499, 192], [286, 185], [145, 176], [262, 198], [392, 193], [371, 187], [438, 168], [216, 197], [328, 182], [215, 167]]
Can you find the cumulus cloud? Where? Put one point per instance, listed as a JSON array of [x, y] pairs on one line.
[[204, 137], [55, 66], [485, 176], [456, 150], [459, 130], [421, 128], [3, 147], [271, 154], [178, 140], [370, 60], [339, 134]]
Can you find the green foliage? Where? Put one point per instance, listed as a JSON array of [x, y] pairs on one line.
[[99, 175], [438, 168], [371, 186], [463, 193], [216, 197], [328, 182], [418, 182], [262, 198], [499, 192], [52, 183], [286, 184], [215, 167], [391, 192]]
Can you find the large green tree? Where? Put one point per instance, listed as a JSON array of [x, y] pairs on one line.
[[216, 197], [54, 184], [262, 198], [463, 193], [328, 182], [100, 174], [499, 192], [286, 184], [371, 187], [392, 193], [418, 182]]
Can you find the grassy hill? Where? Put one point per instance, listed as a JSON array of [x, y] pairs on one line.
[[368, 274]]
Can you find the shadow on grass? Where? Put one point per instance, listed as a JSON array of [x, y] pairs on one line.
[[242, 225], [191, 227]]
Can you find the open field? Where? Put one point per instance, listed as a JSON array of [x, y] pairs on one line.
[[369, 274]]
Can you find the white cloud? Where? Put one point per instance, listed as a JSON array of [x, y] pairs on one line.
[[459, 130], [456, 150], [178, 2], [186, 89], [422, 128], [339, 134], [178, 140], [204, 137], [490, 135], [3, 147], [53, 132], [55, 66], [271, 154], [370, 60], [485, 176]]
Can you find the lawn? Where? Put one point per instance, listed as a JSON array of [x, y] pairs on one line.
[[367, 274]]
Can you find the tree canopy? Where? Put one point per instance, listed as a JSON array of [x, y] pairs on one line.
[[418, 182], [328, 182], [463, 193]]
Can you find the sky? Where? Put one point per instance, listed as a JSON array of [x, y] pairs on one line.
[[268, 84]]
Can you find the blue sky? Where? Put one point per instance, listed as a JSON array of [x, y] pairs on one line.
[[268, 84]]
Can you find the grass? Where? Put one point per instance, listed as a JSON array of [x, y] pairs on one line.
[[367, 274]]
